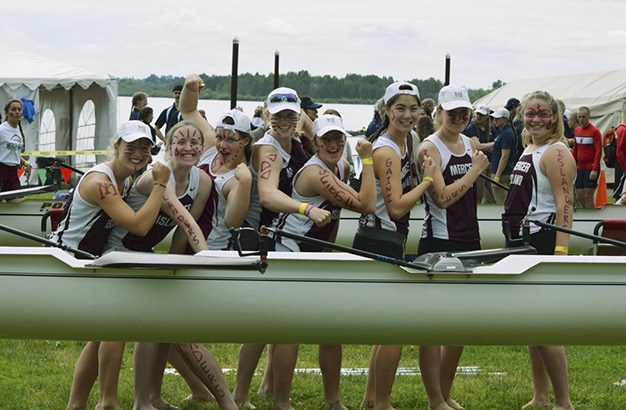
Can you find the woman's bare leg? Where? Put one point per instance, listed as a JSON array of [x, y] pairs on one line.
[[285, 357], [110, 356], [249, 355], [85, 375], [369, 397], [387, 359]]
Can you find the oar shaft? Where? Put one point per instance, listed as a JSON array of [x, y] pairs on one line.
[[71, 168], [45, 241], [346, 249], [493, 181], [581, 234]]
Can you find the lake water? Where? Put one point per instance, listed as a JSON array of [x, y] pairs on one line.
[[355, 116]]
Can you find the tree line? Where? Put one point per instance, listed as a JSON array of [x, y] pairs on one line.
[[351, 89]]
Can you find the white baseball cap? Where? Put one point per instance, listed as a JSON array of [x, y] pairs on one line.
[[484, 110], [133, 130], [326, 123], [242, 121], [501, 113], [400, 87], [452, 97], [283, 98]]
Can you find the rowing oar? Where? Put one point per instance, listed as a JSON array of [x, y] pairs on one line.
[[581, 234], [347, 249], [71, 168], [493, 181], [45, 241]]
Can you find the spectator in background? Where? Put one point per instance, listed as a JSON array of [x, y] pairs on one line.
[[587, 152], [516, 123], [170, 116], [146, 115], [12, 143], [572, 123], [140, 100], [429, 105], [258, 121], [425, 127], [309, 107], [503, 155], [377, 120], [479, 130]]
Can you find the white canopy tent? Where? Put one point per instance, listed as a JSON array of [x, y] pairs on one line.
[[604, 93], [70, 100]]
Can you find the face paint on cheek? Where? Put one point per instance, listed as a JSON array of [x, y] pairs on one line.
[[549, 125], [176, 152]]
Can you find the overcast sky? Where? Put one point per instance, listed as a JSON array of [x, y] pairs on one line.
[[404, 39]]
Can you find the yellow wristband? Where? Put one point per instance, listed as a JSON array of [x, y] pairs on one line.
[[563, 249], [302, 208], [367, 161], [496, 178], [26, 163], [428, 179]]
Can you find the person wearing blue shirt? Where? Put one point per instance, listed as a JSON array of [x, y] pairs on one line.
[[503, 155]]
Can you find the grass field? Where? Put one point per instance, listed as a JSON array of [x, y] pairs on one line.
[[37, 375]]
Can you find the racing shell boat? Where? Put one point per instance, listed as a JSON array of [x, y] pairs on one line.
[[319, 298]]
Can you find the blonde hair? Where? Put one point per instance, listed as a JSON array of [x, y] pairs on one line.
[[558, 128]]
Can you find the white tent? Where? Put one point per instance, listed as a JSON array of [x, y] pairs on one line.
[[604, 93], [61, 92]]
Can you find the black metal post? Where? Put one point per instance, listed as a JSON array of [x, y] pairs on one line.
[[447, 80], [234, 75], [276, 71]]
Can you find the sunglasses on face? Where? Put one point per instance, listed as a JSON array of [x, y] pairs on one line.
[[289, 97]]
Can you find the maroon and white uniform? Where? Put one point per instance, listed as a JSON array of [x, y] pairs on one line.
[[86, 226], [301, 224], [121, 239], [530, 193], [380, 218], [458, 222], [292, 162]]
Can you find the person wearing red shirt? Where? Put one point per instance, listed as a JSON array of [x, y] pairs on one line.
[[587, 152]]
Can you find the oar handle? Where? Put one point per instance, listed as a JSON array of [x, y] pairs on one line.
[[581, 234], [45, 241], [347, 249]]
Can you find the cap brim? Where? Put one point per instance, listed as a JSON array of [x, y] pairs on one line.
[[137, 136], [329, 128], [313, 107], [282, 106], [451, 105]]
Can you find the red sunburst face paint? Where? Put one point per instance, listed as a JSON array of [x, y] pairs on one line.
[[187, 140], [538, 117]]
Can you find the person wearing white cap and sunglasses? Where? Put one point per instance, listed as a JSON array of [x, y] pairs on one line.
[[96, 202], [385, 230], [451, 222], [322, 183]]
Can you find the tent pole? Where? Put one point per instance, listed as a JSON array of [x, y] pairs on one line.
[[71, 159]]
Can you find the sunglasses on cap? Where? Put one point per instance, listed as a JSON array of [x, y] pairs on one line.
[[277, 98]]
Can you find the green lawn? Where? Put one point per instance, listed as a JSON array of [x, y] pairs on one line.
[[37, 375]]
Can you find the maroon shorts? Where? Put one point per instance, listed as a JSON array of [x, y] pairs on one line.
[[9, 180]]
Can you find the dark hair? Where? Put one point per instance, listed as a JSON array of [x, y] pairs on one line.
[[177, 87], [385, 118], [144, 112], [6, 113], [425, 126]]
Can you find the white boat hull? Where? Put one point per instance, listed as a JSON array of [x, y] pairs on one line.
[[310, 298]]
